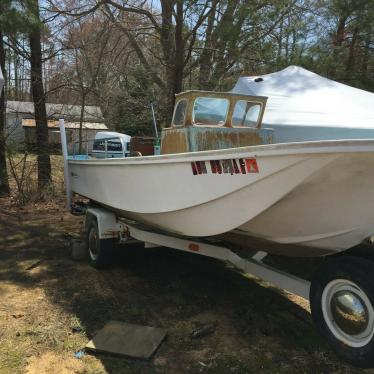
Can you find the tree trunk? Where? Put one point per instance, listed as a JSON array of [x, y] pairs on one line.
[[179, 50], [350, 63], [337, 44], [280, 45], [168, 49], [16, 77], [4, 183], [205, 64], [365, 59], [37, 89], [225, 36]]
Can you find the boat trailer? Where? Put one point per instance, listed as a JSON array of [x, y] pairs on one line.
[[340, 293]]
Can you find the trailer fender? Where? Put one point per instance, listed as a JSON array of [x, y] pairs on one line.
[[108, 226]]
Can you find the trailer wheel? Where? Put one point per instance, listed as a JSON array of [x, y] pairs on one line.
[[100, 251], [342, 300]]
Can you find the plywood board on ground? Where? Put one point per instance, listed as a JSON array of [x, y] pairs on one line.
[[127, 339]]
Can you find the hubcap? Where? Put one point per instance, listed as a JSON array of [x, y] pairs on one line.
[[348, 312], [93, 244]]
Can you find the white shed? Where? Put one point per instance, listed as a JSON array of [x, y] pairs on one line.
[[21, 126]]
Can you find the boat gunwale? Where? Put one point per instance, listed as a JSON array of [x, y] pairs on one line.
[[265, 150]]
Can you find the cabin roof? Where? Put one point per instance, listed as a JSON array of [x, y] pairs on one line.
[[196, 93], [186, 101]]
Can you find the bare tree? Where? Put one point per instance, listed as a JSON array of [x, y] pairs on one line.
[[44, 163], [168, 28], [4, 183], [208, 44]]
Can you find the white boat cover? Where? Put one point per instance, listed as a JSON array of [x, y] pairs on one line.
[[299, 97], [1, 80]]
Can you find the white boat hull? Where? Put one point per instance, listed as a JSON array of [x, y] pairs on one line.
[[314, 194]]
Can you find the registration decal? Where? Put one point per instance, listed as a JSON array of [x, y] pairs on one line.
[[226, 166], [251, 164], [198, 167], [215, 167]]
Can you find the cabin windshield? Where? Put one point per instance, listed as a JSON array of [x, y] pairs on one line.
[[246, 114], [179, 116], [210, 111]]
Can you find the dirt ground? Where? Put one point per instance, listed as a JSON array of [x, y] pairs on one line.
[[50, 306]]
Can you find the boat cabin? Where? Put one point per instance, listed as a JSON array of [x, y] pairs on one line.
[[204, 120]]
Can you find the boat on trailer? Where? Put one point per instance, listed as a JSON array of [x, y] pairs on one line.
[[219, 173], [220, 176]]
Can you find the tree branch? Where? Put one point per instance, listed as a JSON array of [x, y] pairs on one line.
[[136, 10]]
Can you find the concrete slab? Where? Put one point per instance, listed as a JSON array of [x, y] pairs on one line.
[[126, 339]]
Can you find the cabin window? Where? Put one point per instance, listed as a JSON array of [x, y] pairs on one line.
[[180, 113], [210, 111], [246, 114]]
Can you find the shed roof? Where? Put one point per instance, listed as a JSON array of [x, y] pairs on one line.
[[52, 124], [55, 111]]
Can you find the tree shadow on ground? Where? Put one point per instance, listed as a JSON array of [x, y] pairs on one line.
[[258, 329]]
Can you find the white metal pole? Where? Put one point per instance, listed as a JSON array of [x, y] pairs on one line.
[[154, 120], [66, 165], [1, 80]]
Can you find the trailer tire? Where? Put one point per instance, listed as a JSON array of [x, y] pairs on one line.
[[100, 251], [342, 300]]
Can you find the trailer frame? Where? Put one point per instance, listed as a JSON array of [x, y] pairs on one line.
[[111, 226]]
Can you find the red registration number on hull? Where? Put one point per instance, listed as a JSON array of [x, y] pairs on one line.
[[227, 166]]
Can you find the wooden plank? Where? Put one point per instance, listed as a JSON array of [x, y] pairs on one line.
[[126, 339]]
